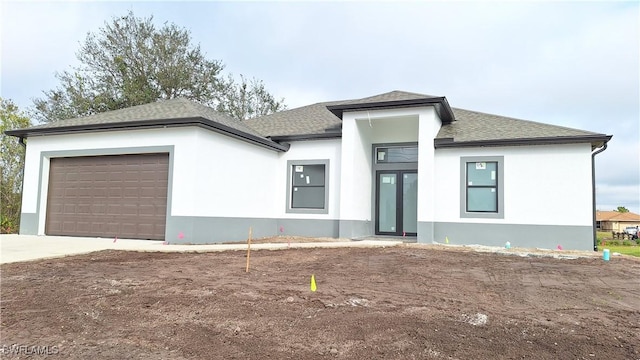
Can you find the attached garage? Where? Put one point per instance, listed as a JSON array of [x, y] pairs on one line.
[[108, 196]]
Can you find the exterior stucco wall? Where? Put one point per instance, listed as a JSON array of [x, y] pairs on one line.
[[362, 129], [309, 150], [547, 190], [218, 186], [40, 149], [227, 178]]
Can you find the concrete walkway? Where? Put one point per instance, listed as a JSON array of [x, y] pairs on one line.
[[16, 248]]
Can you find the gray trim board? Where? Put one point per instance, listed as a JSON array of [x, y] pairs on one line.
[[210, 230], [290, 164], [309, 227], [595, 140], [352, 229], [570, 237], [439, 103], [327, 135], [425, 232], [463, 187], [29, 223]]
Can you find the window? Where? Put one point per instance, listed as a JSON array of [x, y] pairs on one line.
[[307, 186], [482, 187], [396, 154]]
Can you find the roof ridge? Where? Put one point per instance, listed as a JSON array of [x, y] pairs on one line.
[[410, 92]]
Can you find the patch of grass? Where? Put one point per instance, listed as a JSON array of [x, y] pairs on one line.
[[627, 250], [600, 235]]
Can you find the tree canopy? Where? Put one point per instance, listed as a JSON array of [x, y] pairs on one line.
[[621, 209], [130, 61], [11, 164]]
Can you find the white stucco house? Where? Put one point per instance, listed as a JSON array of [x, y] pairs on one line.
[[397, 164]]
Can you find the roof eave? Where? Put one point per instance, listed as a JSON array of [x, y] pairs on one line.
[[302, 137], [441, 104], [149, 124], [596, 141]]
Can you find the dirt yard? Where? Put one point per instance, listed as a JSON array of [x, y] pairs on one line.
[[405, 302]]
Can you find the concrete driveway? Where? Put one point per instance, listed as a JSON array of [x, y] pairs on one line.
[[16, 248]]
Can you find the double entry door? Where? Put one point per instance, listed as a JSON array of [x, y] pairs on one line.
[[397, 202]]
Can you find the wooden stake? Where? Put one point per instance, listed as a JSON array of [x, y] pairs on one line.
[[249, 249]]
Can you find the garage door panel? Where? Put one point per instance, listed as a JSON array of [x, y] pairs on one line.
[[98, 228], [113, 209], [83, 226], [147, 210], [83, 209], [130, 192], [130, 210], [69, 226], [99, 208], [106, 196]]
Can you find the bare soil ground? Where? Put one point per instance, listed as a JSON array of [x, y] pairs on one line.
[[406, 302], [287, 239]]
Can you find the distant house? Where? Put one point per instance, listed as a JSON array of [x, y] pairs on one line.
[[616, 221], [398, 164]]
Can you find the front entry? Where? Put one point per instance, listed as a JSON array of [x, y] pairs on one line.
[[397, 202]]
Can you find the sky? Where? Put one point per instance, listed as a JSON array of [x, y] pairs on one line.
[[574, 64]]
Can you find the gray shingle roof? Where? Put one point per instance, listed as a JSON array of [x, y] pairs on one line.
[[178, 108], [473, 127], [470, 128], [316, 119], [307, 120], [395, 95], [174, 112]]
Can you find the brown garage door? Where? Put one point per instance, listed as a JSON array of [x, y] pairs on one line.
[[108, 196]]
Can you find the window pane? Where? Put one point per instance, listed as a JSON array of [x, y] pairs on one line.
[[410, 203], [482, 173], [397, 154], [482, 199], [307, 197], [387, 204], [308, 175]]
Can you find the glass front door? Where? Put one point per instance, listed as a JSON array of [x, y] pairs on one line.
[[397, 203]]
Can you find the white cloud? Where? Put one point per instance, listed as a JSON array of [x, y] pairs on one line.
[[610, 197]]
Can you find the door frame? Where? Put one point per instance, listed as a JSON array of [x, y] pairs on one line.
[[399, 202], [386, 166]]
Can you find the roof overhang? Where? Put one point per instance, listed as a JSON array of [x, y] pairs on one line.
[[302, 137], [150, 124], [596, 141], [440, 103]]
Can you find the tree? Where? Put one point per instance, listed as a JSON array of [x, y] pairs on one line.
[[247, 99], [622, 209], [12, 163], [131, 62]]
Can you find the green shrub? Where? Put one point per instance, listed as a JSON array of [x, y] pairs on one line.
[[613, 242], [627, 243]]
